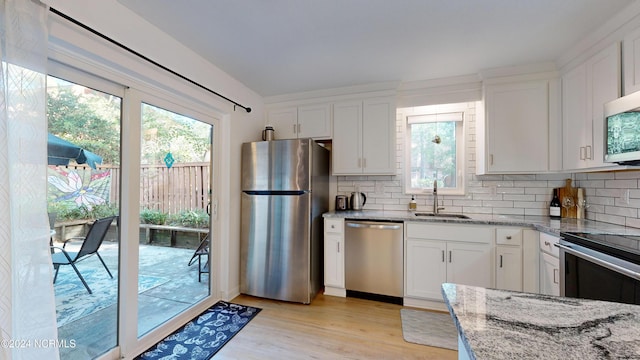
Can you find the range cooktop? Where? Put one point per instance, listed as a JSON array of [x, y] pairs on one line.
[[622, 246]]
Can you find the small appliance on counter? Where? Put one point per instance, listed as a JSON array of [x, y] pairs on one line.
[[358, 200], [342, 203]]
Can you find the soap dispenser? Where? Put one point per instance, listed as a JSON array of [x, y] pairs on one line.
[[412, 204]]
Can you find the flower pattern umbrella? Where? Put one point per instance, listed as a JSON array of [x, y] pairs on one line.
[[60, 151]]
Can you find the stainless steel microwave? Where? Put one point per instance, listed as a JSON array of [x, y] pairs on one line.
[[622, 130]]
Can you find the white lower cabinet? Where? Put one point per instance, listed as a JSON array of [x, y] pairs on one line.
[[549, 275], [334, 257], [434, 255], [426, 268], [508, 263], [549, 265], [509, 268]]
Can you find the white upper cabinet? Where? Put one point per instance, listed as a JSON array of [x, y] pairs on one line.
[[314, 121], [364, 137], [309, 121], [631, 61], [585, 90], [284, 122], [516, 126]]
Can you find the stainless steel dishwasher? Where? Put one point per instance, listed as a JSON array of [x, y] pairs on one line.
[[374, 260]]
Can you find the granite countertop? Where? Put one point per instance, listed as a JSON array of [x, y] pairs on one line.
[[498, 324], [540, 223]]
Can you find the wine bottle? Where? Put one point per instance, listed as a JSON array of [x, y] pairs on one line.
[[554, 206]]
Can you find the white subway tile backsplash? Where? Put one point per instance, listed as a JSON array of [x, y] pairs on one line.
[[621, 184], [613, 193], [619, 220], [530, 198], [621, 211]]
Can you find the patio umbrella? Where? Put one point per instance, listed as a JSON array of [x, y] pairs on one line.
[[60, 151]]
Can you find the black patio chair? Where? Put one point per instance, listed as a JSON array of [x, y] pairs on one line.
[[90, 246], [202, 250]]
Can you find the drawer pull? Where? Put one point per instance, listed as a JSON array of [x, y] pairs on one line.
[[509, 237], [546, 243]]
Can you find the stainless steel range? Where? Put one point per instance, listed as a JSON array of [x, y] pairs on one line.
[[600, 267]]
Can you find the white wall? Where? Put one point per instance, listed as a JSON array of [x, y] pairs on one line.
[[117, 22]]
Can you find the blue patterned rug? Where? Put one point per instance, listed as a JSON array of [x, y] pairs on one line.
[[203, 336]]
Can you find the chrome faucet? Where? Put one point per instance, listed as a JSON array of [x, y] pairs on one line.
[[435, 198]]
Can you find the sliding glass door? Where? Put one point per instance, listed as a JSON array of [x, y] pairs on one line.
[[175, 190], [84, 208], [145, 164]]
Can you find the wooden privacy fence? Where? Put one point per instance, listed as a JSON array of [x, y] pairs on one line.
[[169, 190]]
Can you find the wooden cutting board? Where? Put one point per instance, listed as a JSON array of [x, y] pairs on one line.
[[568, 191]]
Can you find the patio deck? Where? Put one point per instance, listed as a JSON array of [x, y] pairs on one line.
[[90, 319]]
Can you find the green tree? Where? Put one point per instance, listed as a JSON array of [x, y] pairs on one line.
[[87, 118], [187, 140], [91, 119]]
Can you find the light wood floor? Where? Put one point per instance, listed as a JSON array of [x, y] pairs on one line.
[[329, 328]]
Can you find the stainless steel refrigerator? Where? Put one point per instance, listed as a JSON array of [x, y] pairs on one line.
[[285, 190]]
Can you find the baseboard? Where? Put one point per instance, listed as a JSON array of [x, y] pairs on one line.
[[375, 297], [332, 291], [425, 304]]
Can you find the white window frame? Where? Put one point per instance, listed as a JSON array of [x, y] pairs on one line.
[[435, 113]]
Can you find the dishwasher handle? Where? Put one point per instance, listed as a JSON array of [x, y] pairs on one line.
[[373, 226]]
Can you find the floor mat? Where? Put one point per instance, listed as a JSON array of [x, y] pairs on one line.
[[429, 328], [203, 336]]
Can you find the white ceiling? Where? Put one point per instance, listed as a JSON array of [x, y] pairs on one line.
[[278, 47]]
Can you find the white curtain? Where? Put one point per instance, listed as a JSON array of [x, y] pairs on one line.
[[27, 306]]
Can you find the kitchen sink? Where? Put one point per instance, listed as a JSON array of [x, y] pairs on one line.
[[454, 216]]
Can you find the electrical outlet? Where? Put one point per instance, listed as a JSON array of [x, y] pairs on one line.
[[624, 196]]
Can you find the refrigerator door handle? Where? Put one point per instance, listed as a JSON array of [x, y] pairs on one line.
[[277, 192]]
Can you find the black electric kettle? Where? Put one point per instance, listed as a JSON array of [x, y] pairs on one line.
[[358, 200]]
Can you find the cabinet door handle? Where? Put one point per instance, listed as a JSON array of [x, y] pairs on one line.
[[490, 159], [500, 261], [556, 276], [583, 153], [338, 246], [442, 255], [294, 128], [449, 255], [546, 243], [299, 127], [589, 155]]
